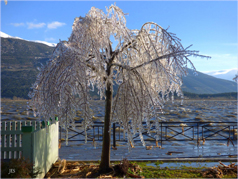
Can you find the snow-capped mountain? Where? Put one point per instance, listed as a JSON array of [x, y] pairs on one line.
[[46, 43], [4, 35], [223, 74]]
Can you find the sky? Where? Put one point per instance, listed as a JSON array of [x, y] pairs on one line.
[[211, 26]]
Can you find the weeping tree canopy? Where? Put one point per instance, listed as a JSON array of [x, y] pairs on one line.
[[147, 64]]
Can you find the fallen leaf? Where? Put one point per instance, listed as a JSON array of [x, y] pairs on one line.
[[156, 142], [149, 147], [89, 173]]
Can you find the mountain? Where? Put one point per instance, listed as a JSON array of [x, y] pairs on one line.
[[206, 84], [20, 59], [4, 35], [223, 74]]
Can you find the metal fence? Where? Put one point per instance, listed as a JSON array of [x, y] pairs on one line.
[[181, 131]]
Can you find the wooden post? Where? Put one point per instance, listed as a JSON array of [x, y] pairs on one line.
[[197, 136], [18, 135], [14, 139], [161, 133], [3, 140], [8, 152]]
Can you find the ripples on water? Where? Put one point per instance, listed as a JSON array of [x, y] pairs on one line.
[[191, 111]]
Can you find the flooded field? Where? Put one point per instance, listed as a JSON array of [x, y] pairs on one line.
[[191, 111]]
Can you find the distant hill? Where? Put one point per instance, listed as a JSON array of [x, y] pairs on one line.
[[223, 74], [205, 84], [18, 53], [4, 35], [20, 59], [19, 62]]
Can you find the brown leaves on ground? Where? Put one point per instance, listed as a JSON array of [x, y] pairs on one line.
[[149, 147], [63, 169], [125, 168], [220, 171]]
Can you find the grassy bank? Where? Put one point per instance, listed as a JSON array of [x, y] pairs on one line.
[[13, 99], [187, 95], [219, 96], [136, 170]]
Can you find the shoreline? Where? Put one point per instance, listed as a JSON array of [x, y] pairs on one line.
[[176, 100]]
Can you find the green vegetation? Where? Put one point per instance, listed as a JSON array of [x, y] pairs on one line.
[[15, 84], [19, 62], [22, 52], [176, 172], [231, 96], [154, 172]]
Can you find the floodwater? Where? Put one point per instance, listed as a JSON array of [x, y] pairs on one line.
[[191, 111]]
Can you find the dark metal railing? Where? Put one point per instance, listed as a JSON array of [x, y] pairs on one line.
[[182, 131], [212, 128]]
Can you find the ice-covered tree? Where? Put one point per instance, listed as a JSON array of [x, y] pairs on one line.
[[236, 78], [147, 64]]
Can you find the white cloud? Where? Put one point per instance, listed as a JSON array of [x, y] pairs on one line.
[[217, 62], [35, 26], [51, 39], [55, 24], [230, 44], [227, 74], [18, 24]]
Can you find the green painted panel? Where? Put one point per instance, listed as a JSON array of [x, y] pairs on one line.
[[27, 145], [45, 150], [27, 129]]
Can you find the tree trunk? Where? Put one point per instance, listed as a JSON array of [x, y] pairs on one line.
[[105, 157]]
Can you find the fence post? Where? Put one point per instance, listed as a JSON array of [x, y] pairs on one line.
[[161, 133], [27, 145], [114, 135], [197, 135]]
